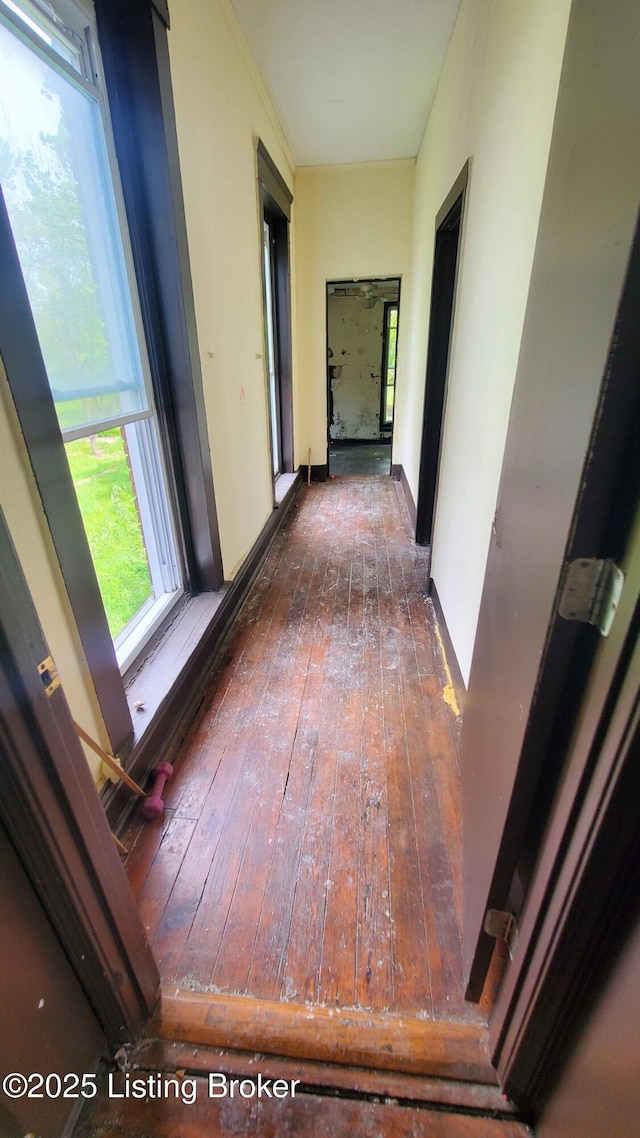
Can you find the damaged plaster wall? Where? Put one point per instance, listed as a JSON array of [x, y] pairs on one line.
[[355, 360]]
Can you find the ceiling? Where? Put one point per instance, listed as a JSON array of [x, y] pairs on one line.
[[350, 80], [369, 292]]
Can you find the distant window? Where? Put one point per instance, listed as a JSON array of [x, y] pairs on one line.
[[389, 348], [62, 196]]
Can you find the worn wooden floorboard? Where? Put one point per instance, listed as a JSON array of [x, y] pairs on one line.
[[375, 973], [167, 1055], [307, 1115], [303, 953], [310, 851]]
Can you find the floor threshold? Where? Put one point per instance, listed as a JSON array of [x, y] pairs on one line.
[[377, 1040], [164, 1055]]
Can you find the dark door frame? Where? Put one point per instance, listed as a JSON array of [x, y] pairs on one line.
[[583, 900], [54, 819], [444, 283], [575, 805], [276, 200]]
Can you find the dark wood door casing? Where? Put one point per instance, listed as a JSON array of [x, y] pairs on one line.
[[40, 997], [579, 883], [54, 819]]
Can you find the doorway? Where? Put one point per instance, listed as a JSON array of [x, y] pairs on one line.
[[276, 282], [362, 343], [443, 291]]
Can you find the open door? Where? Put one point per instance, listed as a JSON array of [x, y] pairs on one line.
[[570, 474]]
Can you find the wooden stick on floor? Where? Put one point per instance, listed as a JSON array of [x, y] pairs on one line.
[[309, 469], [109, 760]]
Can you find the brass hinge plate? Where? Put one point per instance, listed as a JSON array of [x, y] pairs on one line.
[[49, 675], [502, 926], [591, 592]]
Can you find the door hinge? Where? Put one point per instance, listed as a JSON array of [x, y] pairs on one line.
[[591, 592], [49, 675], [502, 926]]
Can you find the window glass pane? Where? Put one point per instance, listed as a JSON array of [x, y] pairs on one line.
[[55, 177], [101, 472], [388, 404], [391, 344], [389, 373], [57, 38]]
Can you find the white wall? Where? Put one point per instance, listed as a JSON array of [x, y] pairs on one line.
[[352, 222], [355, 355], [495, 105], [220, 112]]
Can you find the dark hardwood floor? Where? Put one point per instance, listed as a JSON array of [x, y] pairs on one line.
[[314, 1112], [310, 849], [302, 892]]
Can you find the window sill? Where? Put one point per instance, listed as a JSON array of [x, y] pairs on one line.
[[152, 682], [132, 646], [281, 487], [165, 687]]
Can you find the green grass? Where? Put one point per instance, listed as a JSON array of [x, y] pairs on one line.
[[110, 516]]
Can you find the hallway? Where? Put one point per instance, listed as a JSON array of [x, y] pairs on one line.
[[309, 851], [302, 892], [373, 747]]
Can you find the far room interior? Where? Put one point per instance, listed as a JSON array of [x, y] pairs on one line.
[[362, 339]]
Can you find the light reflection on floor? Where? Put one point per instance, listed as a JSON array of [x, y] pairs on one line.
[[357, 459]]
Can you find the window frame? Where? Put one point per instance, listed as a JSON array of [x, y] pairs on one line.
[[389, 306], [134, 50], [104, 221]]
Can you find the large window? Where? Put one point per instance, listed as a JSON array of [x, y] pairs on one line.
[[64, 206]]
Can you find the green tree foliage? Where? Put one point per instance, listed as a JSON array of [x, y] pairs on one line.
[[46, 218], [112, 524], [44, 200]]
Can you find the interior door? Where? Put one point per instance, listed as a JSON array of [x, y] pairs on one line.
[[511, 727]]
